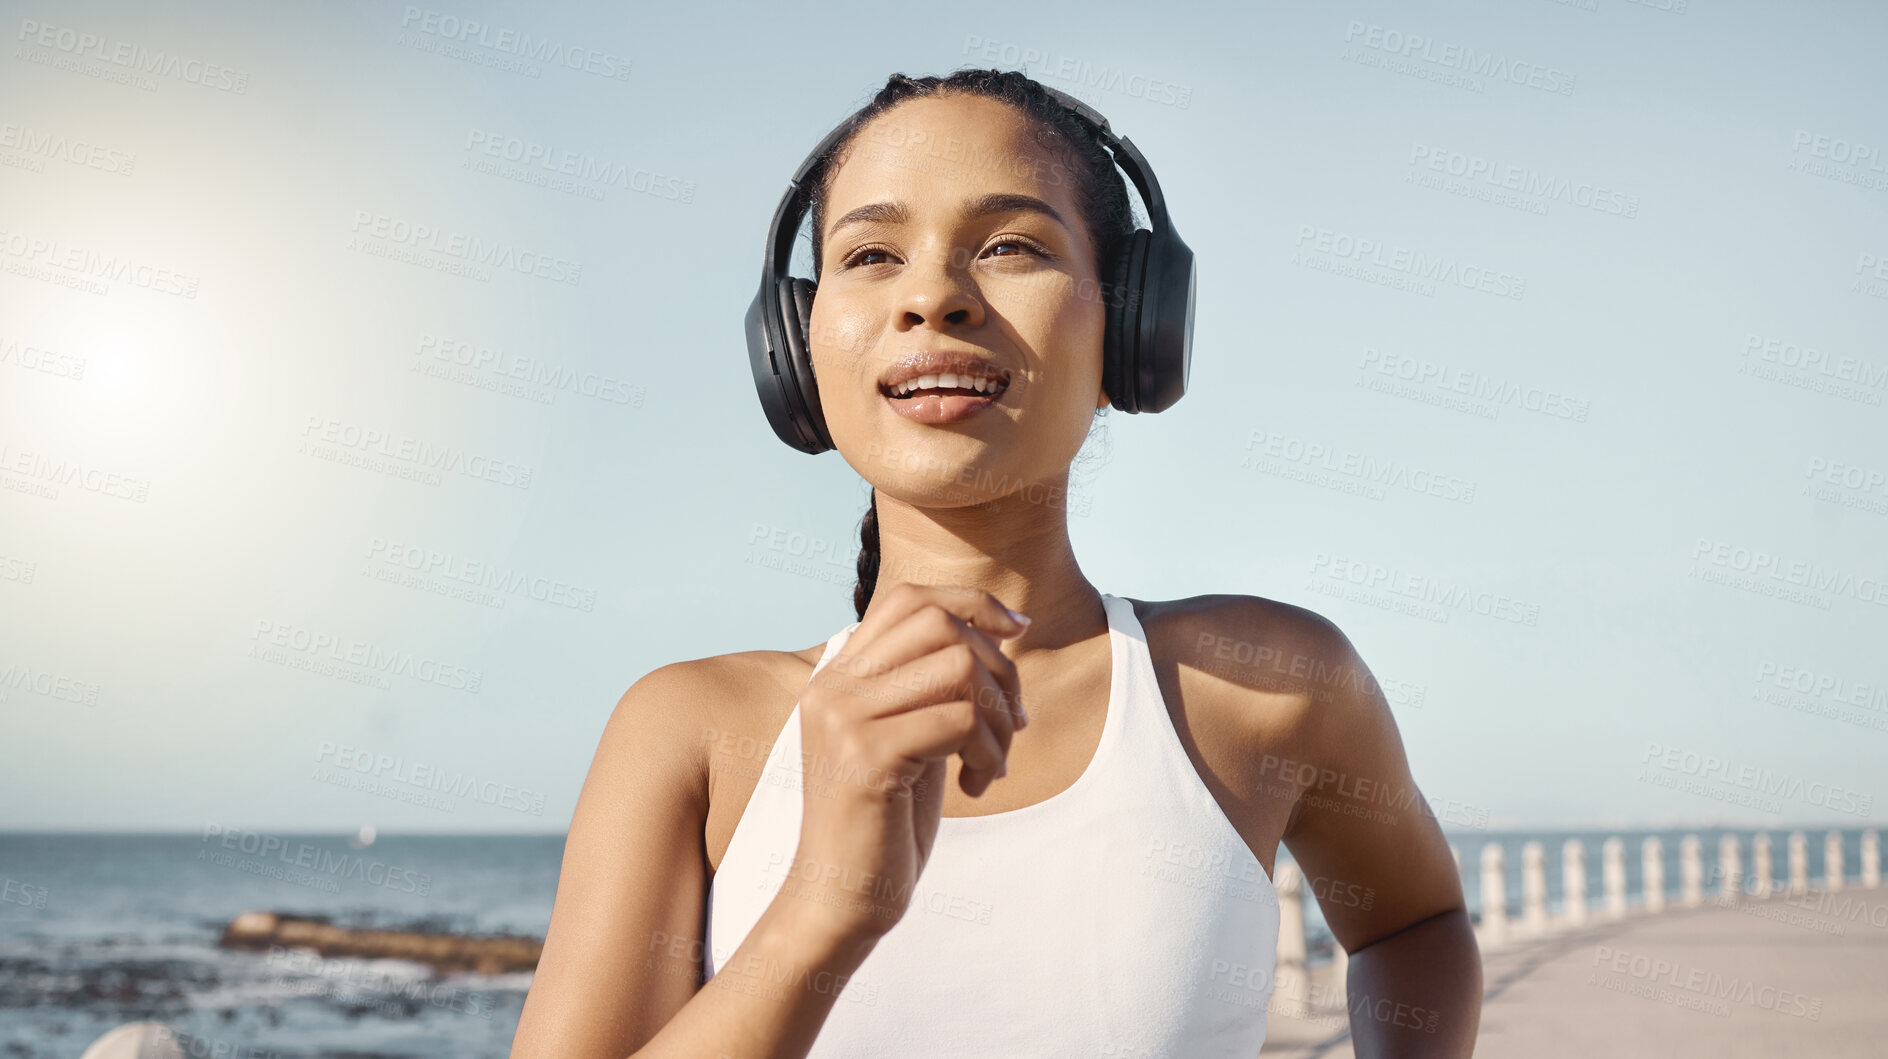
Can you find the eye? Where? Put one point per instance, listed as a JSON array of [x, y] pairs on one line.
[[1016, 245], [860, 256]]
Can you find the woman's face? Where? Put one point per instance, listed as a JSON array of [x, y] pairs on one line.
[[950, 230]]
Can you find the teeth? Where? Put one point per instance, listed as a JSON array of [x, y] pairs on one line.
[[947, 381]]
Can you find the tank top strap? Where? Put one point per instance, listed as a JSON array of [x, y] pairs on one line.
[[1160, 763]]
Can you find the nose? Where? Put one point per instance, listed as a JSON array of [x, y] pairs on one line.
[[934, 290]]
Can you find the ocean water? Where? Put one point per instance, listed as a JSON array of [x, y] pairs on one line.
[[98, 930]]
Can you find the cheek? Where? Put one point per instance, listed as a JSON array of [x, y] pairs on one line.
[[1080, 325], [841, 340]]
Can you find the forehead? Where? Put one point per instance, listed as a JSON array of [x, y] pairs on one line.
[[937, 151]]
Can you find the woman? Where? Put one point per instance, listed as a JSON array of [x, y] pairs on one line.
[[883, 845]]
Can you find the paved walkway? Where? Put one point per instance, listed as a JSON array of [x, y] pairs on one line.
[[1783, 977]]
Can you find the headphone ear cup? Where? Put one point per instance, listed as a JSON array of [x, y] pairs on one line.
[[1121, 353], [800, 294], [795, 298]]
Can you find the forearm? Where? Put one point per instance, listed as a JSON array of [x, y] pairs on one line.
[[769, 1000], [1417, 992]]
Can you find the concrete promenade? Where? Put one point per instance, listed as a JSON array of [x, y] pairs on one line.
[[1774, 977]]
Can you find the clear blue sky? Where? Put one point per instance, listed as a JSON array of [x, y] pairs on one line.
[[202, 308]]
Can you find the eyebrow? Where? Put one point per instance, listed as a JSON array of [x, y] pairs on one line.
[[995, 202]]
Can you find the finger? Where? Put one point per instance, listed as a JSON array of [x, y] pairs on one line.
[[940, 730], [891, 605], [958, 677], [926, 632]]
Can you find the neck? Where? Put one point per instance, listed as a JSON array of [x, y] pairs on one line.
[[1015, 548]]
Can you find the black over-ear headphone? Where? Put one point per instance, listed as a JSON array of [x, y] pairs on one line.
[[1149, 341]]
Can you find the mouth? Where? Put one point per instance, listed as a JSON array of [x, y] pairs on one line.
[[938, 386]]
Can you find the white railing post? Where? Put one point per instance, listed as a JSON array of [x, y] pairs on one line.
[[1730, 868], [1340, 974], [1832, 861], [1613, 868], [1573, 881], [1690, 872], [1652, 860], [1799, 864], [1871, 859], [1534, 888], [1290, 983], [1762, 871], [1494, 897]]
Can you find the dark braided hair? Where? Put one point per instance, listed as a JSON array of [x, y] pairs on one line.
[[1101, 197]]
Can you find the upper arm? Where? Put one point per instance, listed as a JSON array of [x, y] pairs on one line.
[[634, 877], [1363, 835]]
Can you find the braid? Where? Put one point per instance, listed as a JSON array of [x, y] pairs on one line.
[[868, 558]]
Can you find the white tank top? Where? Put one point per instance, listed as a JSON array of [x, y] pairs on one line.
[[1124, 916]]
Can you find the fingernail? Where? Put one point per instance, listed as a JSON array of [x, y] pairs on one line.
[[1003, 770], [1020, 619], [1022, 717]]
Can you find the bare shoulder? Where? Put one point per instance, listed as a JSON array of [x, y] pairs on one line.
[[673, 718], [1259, 643], [1262, 659], [714, 690]]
